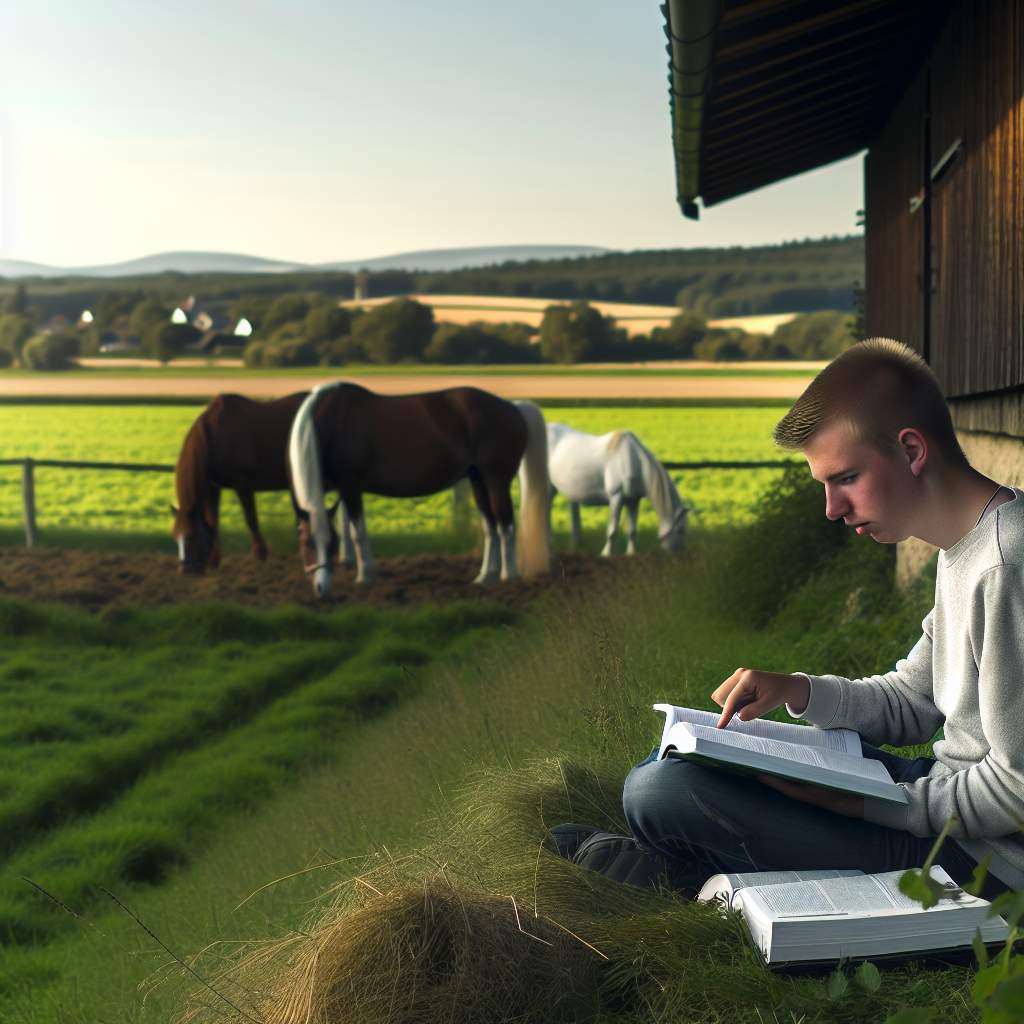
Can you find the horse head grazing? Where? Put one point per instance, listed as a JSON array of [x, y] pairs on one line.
[[318, 540], [197, 540], [674, 538], [318, 547]]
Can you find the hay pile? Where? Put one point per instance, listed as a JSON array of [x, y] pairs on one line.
[[485, 926]]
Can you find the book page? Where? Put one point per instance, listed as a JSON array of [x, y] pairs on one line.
[[723, 886], [889, 881], [844, 741], [792, 752], [856, 894]]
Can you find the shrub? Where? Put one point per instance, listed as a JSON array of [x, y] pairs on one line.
[[815, 335], [165, 340], [396, 332], [481, 343], [15, 330], [573, 334], [50, 351]]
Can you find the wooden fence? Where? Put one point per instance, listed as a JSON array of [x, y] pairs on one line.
[[460, 495]]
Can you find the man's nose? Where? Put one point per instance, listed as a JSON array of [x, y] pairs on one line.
[[835, 505]]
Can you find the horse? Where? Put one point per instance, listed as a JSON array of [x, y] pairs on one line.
[[235, 443], [615, 470], [347, 438]]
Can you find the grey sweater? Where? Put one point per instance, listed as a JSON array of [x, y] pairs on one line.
[[966, 673]]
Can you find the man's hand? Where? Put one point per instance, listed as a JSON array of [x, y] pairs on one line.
[[757, 693], [849, 804]]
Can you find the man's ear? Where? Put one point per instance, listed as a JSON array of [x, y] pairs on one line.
[[914, 446]]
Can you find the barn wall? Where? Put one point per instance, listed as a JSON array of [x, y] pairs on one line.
[[973, 85], [892, 174], [977, 98]]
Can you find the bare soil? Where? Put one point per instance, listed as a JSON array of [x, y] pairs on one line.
[[99, 580]]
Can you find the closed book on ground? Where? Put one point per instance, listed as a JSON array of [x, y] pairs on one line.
[[825, 757], [842, 915]]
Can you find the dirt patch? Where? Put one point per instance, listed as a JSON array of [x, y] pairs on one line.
[[98, 580]]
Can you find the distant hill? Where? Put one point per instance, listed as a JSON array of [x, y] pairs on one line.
[[236, 263]]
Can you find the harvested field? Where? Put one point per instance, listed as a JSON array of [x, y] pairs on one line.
[[494, 309], [99, 580]]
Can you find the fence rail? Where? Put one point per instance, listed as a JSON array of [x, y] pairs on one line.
[[28, 467]]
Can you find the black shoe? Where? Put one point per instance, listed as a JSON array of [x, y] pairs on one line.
[[566, 839]]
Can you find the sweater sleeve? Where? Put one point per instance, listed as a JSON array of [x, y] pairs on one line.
[[987, 797], [896, 707]]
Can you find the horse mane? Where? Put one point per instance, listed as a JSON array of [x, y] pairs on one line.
[[192, 472], [660, 488], [304, 458]]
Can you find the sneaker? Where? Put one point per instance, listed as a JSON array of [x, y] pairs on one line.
[[566, 839]]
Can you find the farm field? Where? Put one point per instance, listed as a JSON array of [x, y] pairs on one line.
[[634, 317], [128, 503]]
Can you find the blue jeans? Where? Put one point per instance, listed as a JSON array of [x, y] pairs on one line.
[[715, 821]]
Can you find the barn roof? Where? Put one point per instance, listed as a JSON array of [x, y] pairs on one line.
[[764, 89]]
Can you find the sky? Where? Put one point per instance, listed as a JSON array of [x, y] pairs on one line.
[[319, 131]]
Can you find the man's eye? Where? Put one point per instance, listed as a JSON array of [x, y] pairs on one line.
[[848, 479]]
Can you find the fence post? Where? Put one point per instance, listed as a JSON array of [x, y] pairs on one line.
[[28, 497]]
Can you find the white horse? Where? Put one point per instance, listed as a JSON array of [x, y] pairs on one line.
[[614, 470]]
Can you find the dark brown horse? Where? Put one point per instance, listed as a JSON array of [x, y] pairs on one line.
[[235, 443], [347, 438]]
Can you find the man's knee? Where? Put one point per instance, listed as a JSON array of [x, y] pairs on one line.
[[665, 787]]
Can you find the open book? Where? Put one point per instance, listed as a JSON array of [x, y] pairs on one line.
[[826, 757], [826, 916]]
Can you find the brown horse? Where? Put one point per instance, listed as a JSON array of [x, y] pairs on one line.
[[235, 443], [347, 438]]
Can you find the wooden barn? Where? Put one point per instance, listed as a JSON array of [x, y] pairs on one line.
[[934, 92]]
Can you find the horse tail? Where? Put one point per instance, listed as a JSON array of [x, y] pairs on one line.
[[304, 457], [534, 499], [658, 484]]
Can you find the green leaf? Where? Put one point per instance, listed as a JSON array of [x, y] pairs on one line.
[[921, 887], [974, 886], [980, 949], [1009, 998], [913, 1015], [985, 982], [836, 985], [868, 977]]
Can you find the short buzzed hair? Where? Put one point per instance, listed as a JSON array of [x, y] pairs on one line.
[[878, 387]]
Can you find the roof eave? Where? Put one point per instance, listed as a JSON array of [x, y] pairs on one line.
[[690, 26]]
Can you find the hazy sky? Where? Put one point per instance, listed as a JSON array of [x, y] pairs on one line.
[[320, 131]]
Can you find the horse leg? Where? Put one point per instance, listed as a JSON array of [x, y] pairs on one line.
[[632, 509], [248, 502], [365, 570], [342, 525], [575, 525], [489, 565], [504, 513], [614, 511]]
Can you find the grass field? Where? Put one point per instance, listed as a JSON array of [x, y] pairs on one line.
[[449, 793], [132, 503], [170, 724]]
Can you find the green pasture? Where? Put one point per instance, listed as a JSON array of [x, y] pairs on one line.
[[127, 742], [118, 503], [446, 795]]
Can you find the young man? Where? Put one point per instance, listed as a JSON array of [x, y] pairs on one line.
[[877, 434]]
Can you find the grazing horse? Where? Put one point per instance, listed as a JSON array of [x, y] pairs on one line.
[[236, 443], [347, 438], [614, 470]]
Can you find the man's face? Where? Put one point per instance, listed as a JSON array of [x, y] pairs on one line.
[[870, 490]]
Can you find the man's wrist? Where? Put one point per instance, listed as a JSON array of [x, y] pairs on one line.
[[800, 694]]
